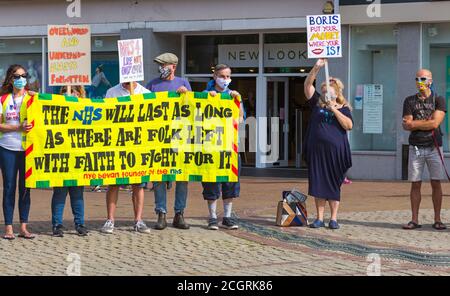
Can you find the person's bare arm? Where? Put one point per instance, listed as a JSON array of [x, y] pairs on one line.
[[343, 120], [424, 125], [406, 120], [5, 128], [308, 86]]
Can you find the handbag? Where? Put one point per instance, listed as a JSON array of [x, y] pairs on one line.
[[291, 211]]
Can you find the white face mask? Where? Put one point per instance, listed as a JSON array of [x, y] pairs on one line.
[[223, 83], [332, 95]]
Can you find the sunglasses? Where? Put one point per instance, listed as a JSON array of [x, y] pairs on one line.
[[17, 76], [421, 79]]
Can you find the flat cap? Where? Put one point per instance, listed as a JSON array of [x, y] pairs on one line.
[[166, 58]]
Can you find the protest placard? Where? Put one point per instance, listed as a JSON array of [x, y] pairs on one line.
[[324, 36], [131, 62], [69, 55]]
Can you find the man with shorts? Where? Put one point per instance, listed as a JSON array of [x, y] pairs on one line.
[[112, 195], [422, 115]]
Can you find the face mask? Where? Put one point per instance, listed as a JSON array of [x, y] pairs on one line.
[[422, 86], [20, 83], [164, 72], [223, 83], [332, 97]]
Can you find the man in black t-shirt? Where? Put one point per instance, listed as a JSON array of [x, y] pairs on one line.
[[422, 115]]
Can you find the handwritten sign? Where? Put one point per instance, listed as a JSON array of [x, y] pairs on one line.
[[131, 62], [161, 136], [69, 54], [324, 36]]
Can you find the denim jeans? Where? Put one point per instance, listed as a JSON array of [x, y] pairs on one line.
[[13, 162], [181, 192], [76, 202]]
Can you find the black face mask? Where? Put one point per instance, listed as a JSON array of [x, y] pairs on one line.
[[164, 72]]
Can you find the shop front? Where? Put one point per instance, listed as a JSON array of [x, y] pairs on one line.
[[271, 85]]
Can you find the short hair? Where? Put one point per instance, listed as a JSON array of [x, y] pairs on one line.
[[220, 67]]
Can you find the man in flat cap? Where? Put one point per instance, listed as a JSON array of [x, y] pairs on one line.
[[167, 81]]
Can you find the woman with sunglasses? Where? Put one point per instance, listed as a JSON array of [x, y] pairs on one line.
[[327, 148], [12, 155]]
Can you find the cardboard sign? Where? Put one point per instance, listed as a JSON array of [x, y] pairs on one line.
[[159, 136], [131, 61], [69, 54], [324, 36]]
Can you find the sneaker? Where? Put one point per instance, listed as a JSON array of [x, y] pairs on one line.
[[81, 230], [333, 225], [178, 221], [229, 223], [213, 224], [96, 189], [162, 223], [58, 231], [317, 224], [141, 227], [347, 181], [108, 227]]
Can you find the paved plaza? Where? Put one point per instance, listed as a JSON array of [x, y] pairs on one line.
[[370, 241]]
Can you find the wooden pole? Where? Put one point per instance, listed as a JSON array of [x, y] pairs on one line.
[[327, 79], [132, 88]]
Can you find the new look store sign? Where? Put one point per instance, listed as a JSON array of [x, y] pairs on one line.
[[275, 55]]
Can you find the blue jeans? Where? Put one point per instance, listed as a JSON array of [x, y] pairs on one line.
[[213, 190], [181, 192], [76, 202], [13, 162]]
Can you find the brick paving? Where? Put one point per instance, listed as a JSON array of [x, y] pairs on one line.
[[371, 215]]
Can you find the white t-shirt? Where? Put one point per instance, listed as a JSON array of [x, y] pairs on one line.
[[120, 91], [12, 140]]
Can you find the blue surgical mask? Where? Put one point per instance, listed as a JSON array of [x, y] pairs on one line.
[[20, 83]]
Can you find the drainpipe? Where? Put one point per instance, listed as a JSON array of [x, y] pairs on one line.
[[336, 6]]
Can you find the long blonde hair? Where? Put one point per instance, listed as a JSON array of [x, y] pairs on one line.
[[338, 87]]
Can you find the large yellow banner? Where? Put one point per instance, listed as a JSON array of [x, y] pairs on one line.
[[159, 136]]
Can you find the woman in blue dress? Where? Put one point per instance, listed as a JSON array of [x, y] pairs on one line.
[[327, 149]]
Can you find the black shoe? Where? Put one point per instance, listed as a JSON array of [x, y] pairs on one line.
[[229, 223], [213, 224], [178, 221], [81, 230], [162, 223], [58, 231]]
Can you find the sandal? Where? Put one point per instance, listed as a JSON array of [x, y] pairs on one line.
[[439, 226], [9, 237], [27, 236], [411, 225]]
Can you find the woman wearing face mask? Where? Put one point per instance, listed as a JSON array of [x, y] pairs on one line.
[[228, 190], [327, 149], [75, 192], [12, 155]]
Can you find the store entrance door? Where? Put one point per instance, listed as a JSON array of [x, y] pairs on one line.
[[278, 134]]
